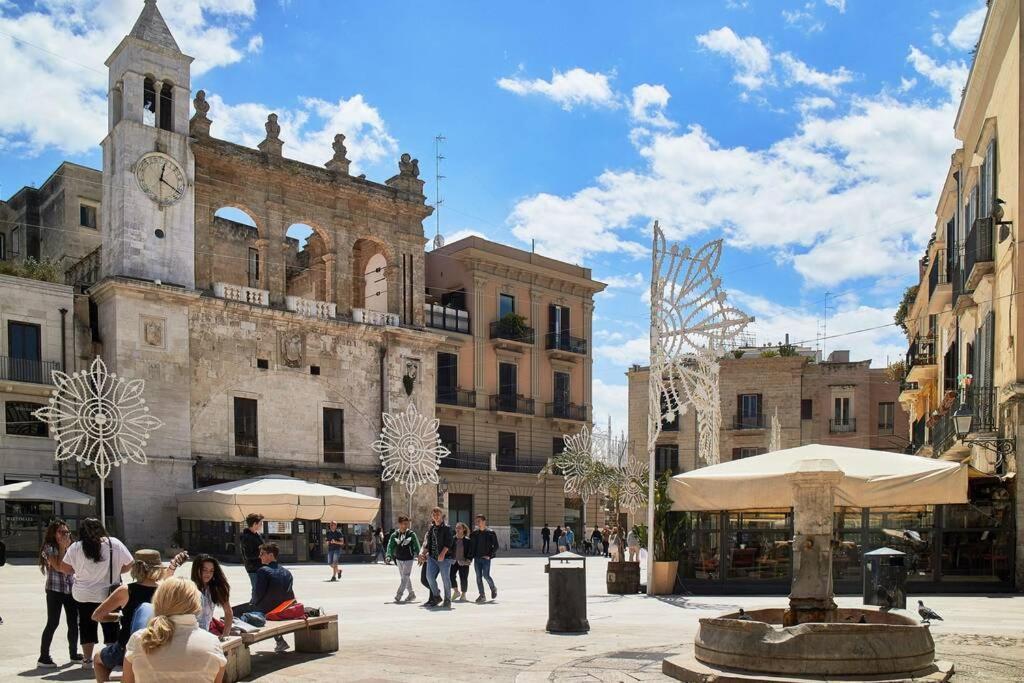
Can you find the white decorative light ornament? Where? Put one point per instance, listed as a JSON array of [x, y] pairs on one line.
[[410, 448], [775, 442], [584, 476], [98, 418], [632, 484]]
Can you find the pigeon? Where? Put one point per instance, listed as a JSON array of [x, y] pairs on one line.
[[927, 613], [743, 616]]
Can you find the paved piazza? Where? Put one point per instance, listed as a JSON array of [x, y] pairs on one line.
[[505, 640]]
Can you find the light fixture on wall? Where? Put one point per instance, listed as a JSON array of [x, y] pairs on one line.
[[963, 420]]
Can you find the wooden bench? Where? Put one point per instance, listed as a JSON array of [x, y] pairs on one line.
[[316, 634]]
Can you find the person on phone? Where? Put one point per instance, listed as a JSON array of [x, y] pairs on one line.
[[58, 593], [97, 562]]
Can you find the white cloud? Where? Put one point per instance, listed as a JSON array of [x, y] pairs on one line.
[[73, 86], [576, 87], [809, 104], [648, 105], [804, 20], [938, 40], [907, 84], [750, 56], [838, 4], [462, 234], [624, 281], [613, 400], [625, 353], [309, 129], [951, 75], [799, 72], [965, 34], [255, 44]]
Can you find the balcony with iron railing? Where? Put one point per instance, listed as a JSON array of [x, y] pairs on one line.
[[979, 252], [566, 411], [562, 341], [842, 425], [940, 292], [448, 319], [27, 370], [467, 461], [983, 404], [451, 396], [512, 403], [510, 460], [502, 330], [748, 421], [920, 360]]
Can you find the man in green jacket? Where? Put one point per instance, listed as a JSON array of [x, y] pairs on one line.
[[403, 548]]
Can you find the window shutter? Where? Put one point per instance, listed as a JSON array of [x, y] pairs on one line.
[[758, 411], [552, 315], [566, 326]]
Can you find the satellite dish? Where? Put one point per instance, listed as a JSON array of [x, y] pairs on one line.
[[438, 241]]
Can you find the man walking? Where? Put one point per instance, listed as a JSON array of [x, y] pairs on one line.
[[403, 546], [596, 542], [570, 539], [557, 536], [484, 546], [438, 546], [252, 539], [545, 537], [335, 542]]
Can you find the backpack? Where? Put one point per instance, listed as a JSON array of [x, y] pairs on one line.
[[289, 609]]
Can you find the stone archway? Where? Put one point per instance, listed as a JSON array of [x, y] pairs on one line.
[[373, 276], [375, 284]]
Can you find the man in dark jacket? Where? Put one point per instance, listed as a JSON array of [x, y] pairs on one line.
[[484, 546], [556, 535], [438, 546], [272, 586], [252, 539], [545, 537]]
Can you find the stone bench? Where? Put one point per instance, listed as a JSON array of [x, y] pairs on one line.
[[316, 635]]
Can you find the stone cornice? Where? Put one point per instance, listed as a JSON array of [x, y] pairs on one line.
[[108, 286], [533, 276]]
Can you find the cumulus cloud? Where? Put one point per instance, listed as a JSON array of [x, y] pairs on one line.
[[749, 55], [805, 105], [308, 130], [951, 75], [611, 400], [799, 72], [574, 88], [84, 33], [255, 45], [647, 106], [965, 34]]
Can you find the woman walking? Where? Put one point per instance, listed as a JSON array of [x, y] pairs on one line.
[[213, 586], [463, 556], [97, 561], [173, 648], [130, 607], [58, 593]]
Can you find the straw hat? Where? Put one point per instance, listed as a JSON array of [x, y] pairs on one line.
[[150, 558]]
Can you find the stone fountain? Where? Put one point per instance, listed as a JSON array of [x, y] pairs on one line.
[[812, 639]]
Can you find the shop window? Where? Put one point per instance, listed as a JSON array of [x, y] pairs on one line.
[[334, 435], [758, 546], [21, 422], [246, 428]]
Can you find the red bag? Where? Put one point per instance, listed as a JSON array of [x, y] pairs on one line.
[[217, 627], [289, 609]]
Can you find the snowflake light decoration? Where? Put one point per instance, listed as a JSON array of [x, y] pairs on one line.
[[410, 448], [632, 484], [584, 476], [775, 441], [98, 418]]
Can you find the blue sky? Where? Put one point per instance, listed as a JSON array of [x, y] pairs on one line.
[[812, 136]]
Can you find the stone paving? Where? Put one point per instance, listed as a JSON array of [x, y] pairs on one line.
[[505, 640]]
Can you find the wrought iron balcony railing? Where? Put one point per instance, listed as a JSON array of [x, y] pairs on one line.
[[512, 461], [748, 421], [27, 370], [467, 461], [512, 403], [502, 330], [840, 425], [979, 245], [921, 352], [456, 397], [561, 341], [566, 411]]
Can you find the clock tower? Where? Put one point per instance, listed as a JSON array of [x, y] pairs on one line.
[[148, 212]]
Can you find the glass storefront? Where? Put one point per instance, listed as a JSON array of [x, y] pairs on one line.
[[299, 540], [519, 521], [949, 547]]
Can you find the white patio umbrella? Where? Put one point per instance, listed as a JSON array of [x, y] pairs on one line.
[[870, 479], [37, 489], [277, 497]]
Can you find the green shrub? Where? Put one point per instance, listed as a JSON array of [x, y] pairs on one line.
[[44, 270]]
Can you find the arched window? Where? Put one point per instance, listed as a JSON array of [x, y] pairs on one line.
[[167, 107], [148, 102], [375, 283]]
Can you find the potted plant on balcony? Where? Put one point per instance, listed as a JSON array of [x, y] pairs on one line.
[[513, 326], [668, 539]]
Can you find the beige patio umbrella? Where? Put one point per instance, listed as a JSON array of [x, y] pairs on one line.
[[869, 479], [37, 489], [277, 497]]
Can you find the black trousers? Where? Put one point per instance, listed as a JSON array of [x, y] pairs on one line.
[[462, 573], [546, 545], [88, 628], [55, 602]]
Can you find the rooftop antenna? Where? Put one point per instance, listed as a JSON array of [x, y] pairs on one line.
[[438, 239], [824, 328]]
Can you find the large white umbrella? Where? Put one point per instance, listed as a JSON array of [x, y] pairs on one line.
[[870, 479], [277, 497], [37, 489]]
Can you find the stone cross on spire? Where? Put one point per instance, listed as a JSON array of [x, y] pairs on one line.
[[151, 27]]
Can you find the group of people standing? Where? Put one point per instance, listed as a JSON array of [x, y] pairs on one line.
[[607, 542]]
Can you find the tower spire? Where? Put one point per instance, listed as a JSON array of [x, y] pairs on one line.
[[151, 27]]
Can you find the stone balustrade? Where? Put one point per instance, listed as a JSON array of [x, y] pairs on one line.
[[368, 317], [249, 295], [311, 308]]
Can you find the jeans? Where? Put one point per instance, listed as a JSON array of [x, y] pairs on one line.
[[55, 602], [546, 546], [404, 572], [113, 655], [462, 572], [444, 568], [482, 568]]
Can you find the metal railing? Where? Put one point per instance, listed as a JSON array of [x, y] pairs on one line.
[[748, 421], [456, 397], [445, 318], [842, 425], [511, 461], [979, 245], [920, 352], [467, 461], [908, 386], [566, 411], [937, 275], [562, 341], [500, 330], [27, 370], [512, 403]]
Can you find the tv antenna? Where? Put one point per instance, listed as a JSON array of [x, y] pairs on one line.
[[438, 157]]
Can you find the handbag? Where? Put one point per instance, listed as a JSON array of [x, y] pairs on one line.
[[111, 587]]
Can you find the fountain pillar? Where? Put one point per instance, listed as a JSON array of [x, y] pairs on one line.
[[811, 596]]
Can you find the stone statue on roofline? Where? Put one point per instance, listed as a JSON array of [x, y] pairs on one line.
[[199, 125], [339, 163], [272, 144], [408, 178]]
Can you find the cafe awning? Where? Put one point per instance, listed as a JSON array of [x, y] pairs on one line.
[[39, 490], [277, 497], [870, 479]]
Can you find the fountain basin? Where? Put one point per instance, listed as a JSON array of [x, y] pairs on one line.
[[887, 644]]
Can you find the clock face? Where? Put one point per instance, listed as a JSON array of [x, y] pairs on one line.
[[161, 178]]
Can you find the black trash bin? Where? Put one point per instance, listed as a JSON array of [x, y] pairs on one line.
[[567, 593], [885, 573]]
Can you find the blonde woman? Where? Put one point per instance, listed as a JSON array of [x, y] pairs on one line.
[[173, 647]]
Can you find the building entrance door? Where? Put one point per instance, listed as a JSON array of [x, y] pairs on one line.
[[519, 521]]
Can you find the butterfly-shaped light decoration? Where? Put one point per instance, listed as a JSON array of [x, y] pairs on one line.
[[631, 484], [98, 418], [584, 475], [410, 448]]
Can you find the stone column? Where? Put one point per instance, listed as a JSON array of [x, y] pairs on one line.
[[275, 261], [262, 246], [811, 596], [158, 86], [330, 279]]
